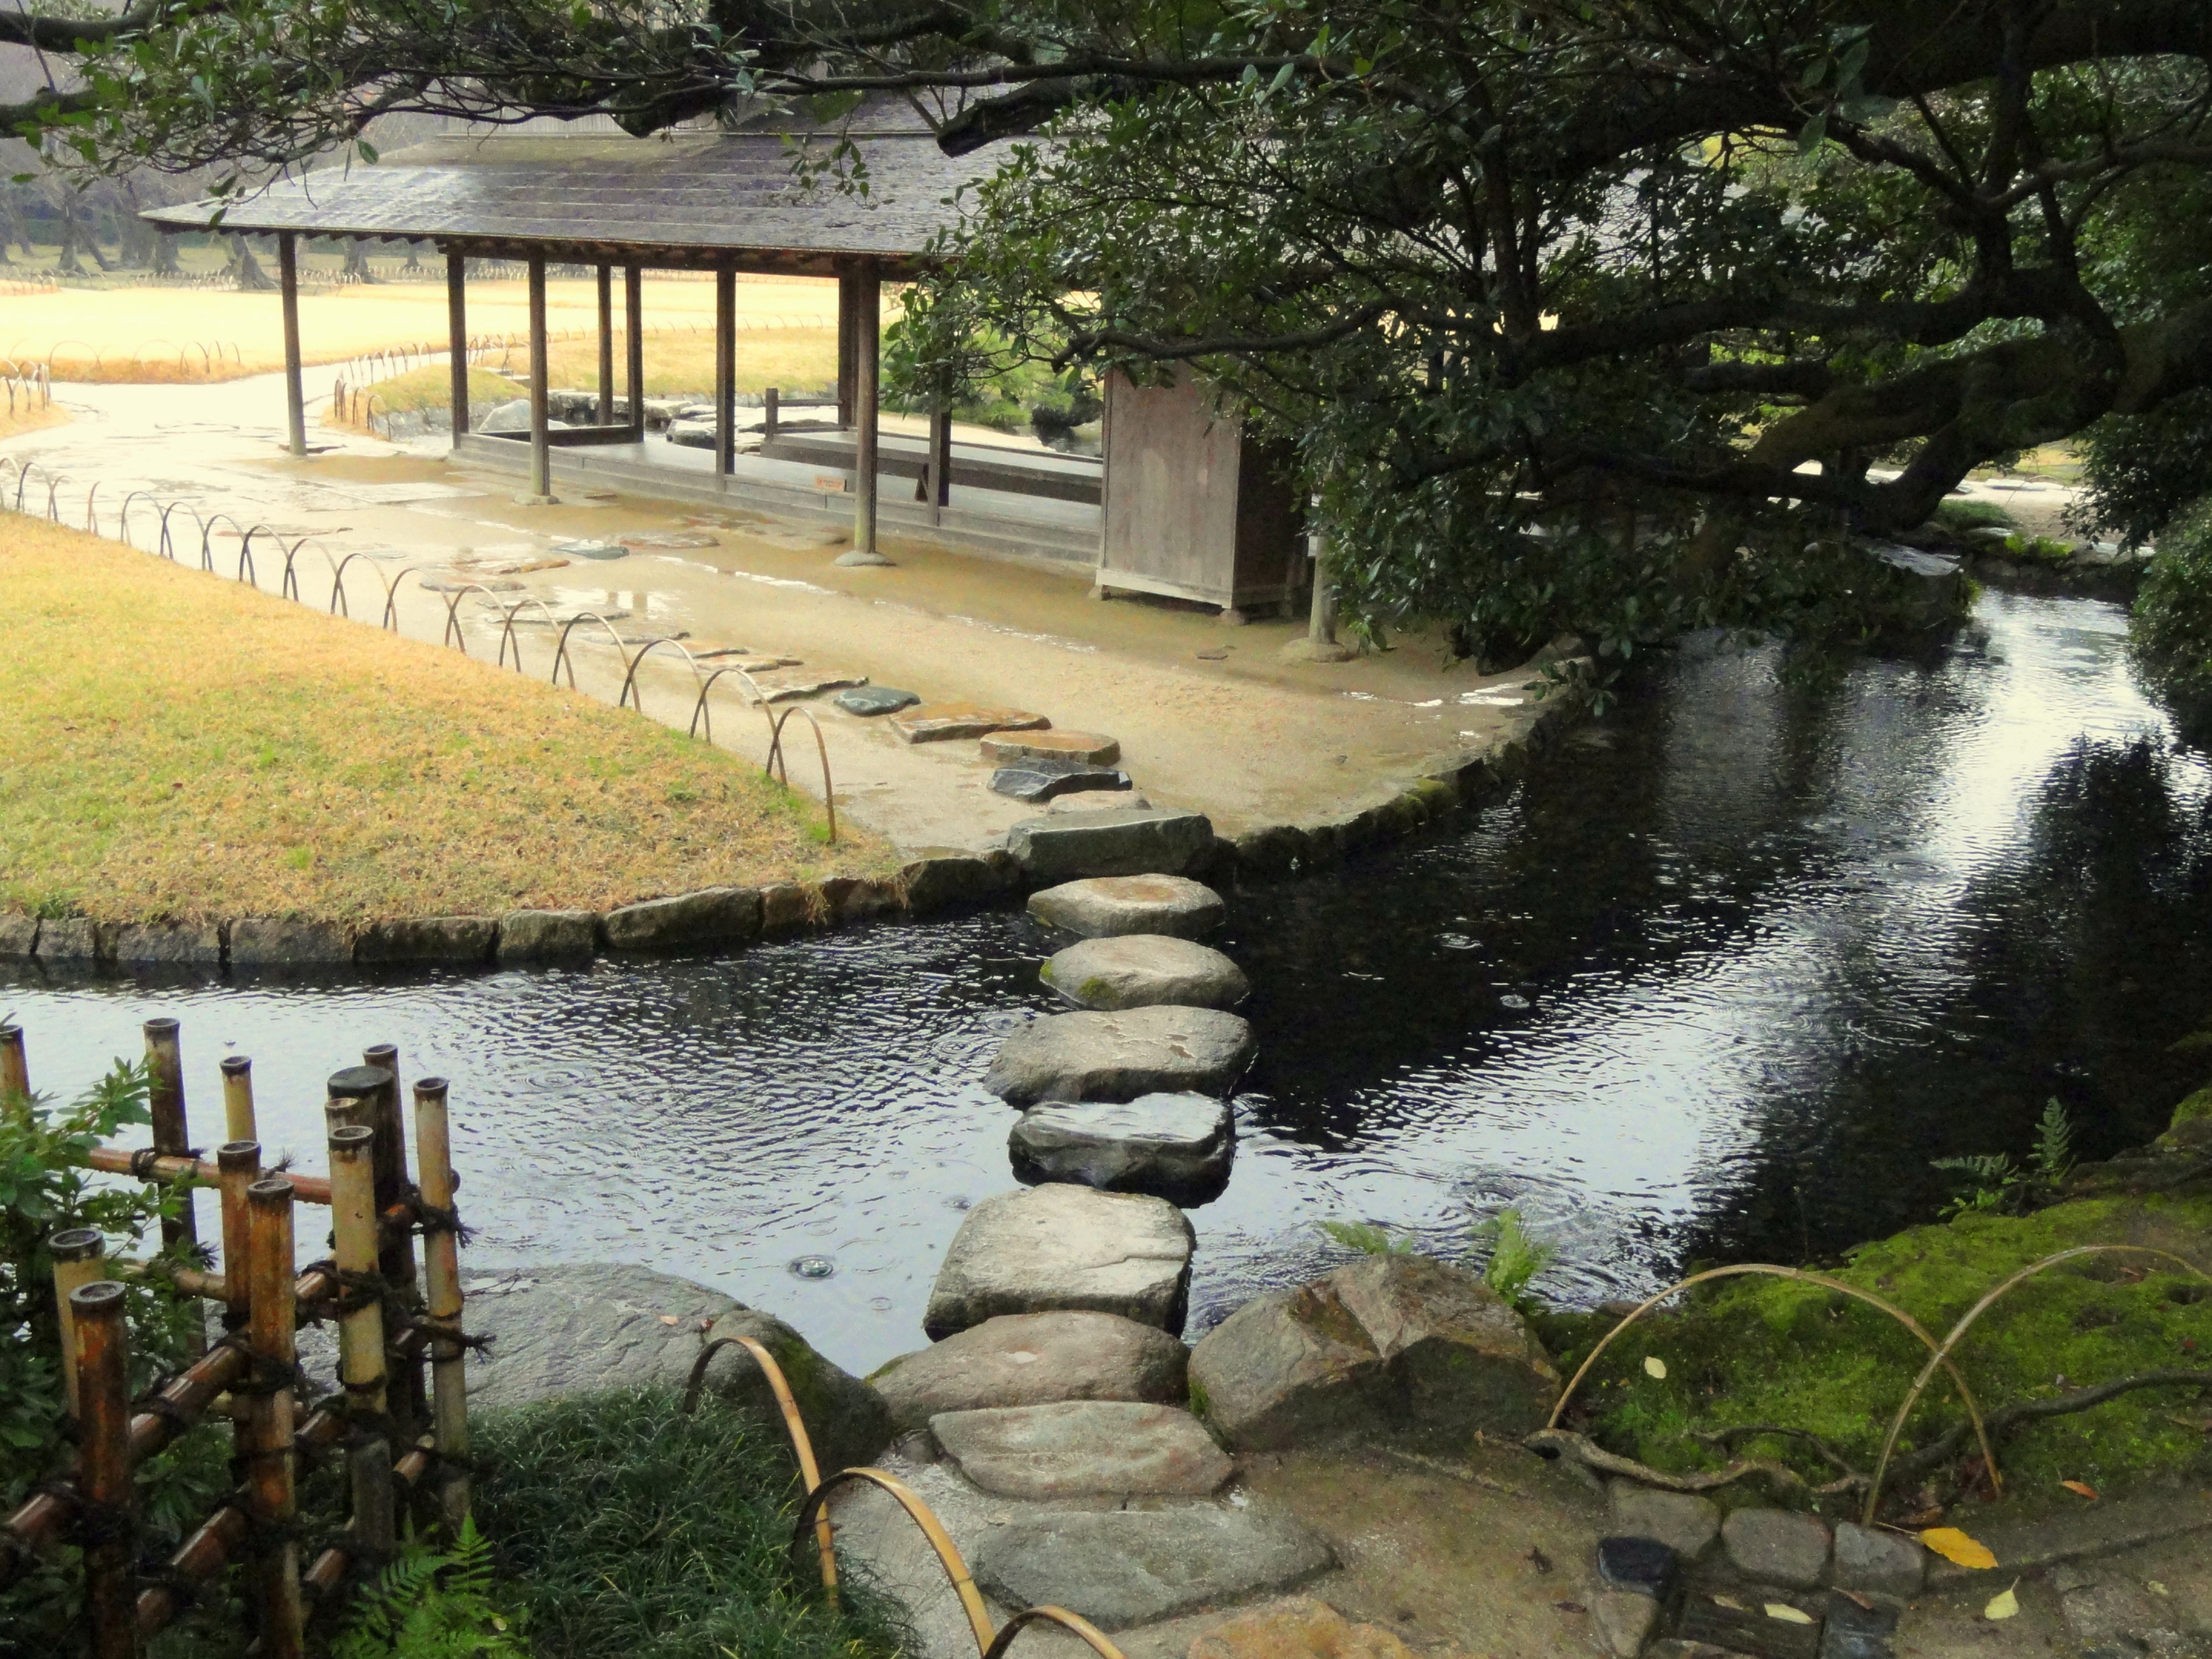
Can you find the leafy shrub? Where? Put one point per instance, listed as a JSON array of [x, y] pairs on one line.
[[2171, 631], [2142, 472], [1515, 1257], [1965, 515], [1993, 1181], [1366, 1238]]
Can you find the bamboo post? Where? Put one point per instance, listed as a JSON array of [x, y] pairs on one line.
[[238, 1098], [76, 1253], [14, 1070], [351, 1095], [361, 1336], [239, 1163], [633, 343], [441, 1266], [410, 1406], [172, 1138], [271, 1325], [101, 1348]]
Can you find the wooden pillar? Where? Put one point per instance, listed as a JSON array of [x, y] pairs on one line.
[[634, 339], [606, 345], [935, 485], [726, 371], [295, 398], [867, 319], [103, 1374], [441, 1274], [541, 442], [173, 1136], [847, 314], [457, 337], [271, 1316]]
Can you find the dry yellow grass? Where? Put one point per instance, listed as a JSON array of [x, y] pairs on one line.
[[677, 362], [30, 419], [171, 335], [181, 746]]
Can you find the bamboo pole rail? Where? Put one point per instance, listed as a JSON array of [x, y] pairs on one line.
[[76, 1252], [101, 1345], [441, 1266], [361, 1332], [238, 1098]]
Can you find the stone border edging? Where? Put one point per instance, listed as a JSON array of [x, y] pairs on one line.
[[719, 917]]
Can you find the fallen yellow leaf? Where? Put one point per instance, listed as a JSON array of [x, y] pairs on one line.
[[1788, 1614], [2005, 1605], [1655, 1366], [1730, 1604], [1954, 1546], [2081, 1487]]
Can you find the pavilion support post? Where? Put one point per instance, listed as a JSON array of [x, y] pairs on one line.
[[935, 484], [867, 334], [457, 337], [848, 313], [295, 397], [726, 372], [606, 345], [541, 441], [634, 341]]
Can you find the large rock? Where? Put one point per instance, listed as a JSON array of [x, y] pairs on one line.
[[69, 939], [1173, 1147], [428, 939], [1778, 1547], [690, 921], [1083, 1449], [1392, 1348], [1104, 906], [19, 936], [1055, 1247], [1131, 843], [577, 1329], [1036, 1360], [161, 942], [950, 881], [1088, 747], [1118, 1056], [1684, 1522], [1039, 781], [277, 941], [547, 935], [1127, 1567], [942, 722], [1145, 971]]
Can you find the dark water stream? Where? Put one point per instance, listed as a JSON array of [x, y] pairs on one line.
[[1718, 980]]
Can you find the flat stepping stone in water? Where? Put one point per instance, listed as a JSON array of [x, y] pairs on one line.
[[1037, 1359], [1097, 801], [790, 690], [1126, 843], [1173, 1147], [668, 539], [591, 550], [1105, 906], [460, 582], [1123, 1567], [1049, 1248], [875, 700], [1044, 780], [1122, 1056], [1144, 970], [1088, 747], [1083, 1449], [940, 722]]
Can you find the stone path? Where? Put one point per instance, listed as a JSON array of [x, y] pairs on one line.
[[1143, 971]]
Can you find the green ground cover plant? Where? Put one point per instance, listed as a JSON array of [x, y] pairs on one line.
[[2172, 634]]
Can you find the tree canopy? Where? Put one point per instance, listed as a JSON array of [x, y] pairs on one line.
[[1568, 307]]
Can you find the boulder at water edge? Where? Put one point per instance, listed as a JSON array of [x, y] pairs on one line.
[[1144, 970], [580, 1329], [1394, 1348], [1118, 1056], [1173, 1147], [1128, 1567], [1056, 1247], [1131, 843], [1036, 1360]]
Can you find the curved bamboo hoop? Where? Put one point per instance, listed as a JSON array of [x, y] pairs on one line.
[[453, 635], [1092, 1635], [290, 588], [91, 510], [630, 678], [168, 549], [10, 461], [390, 621], [207, 537], [561, 651], [776, 759], [123, 515], [701, 709], [54, 482], [1942, 1355], [948, 1553], [245, 550], [809, 1473], [1768, 1270], [507, 633]]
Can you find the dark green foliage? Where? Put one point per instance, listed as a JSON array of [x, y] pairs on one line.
[[431, 1604], [624, 1530], [2141, 471], [2172, 633]]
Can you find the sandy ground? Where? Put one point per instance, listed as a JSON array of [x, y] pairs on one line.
[[1207, 716]]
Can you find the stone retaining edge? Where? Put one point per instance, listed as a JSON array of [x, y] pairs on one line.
[[719, 918]]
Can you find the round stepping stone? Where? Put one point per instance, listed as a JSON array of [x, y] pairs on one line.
[[1036, 1360], [1123, 1567], [1100, 906], [875, 700], [941, 722], [1173, 1147], [1144, 970], [1121, 1055], [1083, 1449], [1088, 747], [1049, 1248]]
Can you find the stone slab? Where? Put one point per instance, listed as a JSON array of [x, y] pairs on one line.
[[1090, 748], [168, 942], [1684, 1522], [1083, 1449], [1877, 1563], [1100, 907], [69, 939], [1144, 970], [1778, 1547], [942, 722], [1122, 1056], [674, 540], [1036, 1360], [1297, 1627], [1624, 1622], [1097, 801], [2081, 1531], [951, 882], [276, 941], [792, 688], [709, 917], [1177, 1146], [19, 936], [1130, 1567], [1061, 1247], [428, 939], [1050, 780], [1131, 843], [547, 935], [870, 700]]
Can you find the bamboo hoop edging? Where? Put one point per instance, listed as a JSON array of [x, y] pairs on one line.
[[822, 747], [1769, 1270], [1090, 1634], [948, 1553], [810, 1472], [1942, 1355]]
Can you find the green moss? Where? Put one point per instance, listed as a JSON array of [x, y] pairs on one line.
[[2198, 1109], [1779, 1351], [1201, 1407]]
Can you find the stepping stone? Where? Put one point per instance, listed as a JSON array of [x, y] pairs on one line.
[[1097, 801], [1144, 970], [1297, 1627], [875, 700], [1174, 1147], [1879, 1563], [1684, 1521], [1044, 780], [1057, 1247], [790, 690], [1778, 1547], [1088, 747], [940, 722], [1101, 906], [1125, 1567], [1083, 1449], [668, 538], [591, 550], [1037, 1359], [1130, 843], [461, 581], [1121, 1055]]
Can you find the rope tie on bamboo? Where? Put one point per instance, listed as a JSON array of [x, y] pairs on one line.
[[144, 1160], [432, 1219], [93, 1523]]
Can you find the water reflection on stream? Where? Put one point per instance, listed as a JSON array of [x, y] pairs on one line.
[[1719, 980]]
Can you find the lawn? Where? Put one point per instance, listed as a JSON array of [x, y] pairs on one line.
[[182, 746]]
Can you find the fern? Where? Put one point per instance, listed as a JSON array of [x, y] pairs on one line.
[[1989, 1182], [1515, 1257], [2054, 1144], [429, 1605], [1366, 1238]]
